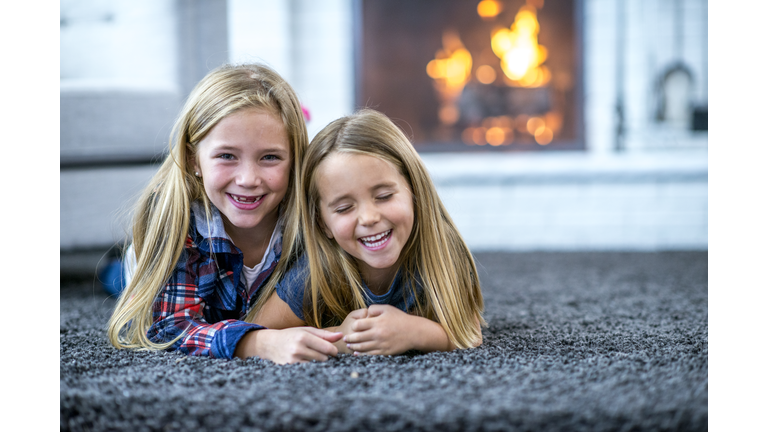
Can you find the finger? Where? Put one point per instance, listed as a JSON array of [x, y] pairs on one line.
[[320, 346], [359, 313], [372, 352], [324, 334], [308, 354], [300, 354], [376, 310], [363, 347], [363, 324], [358, 337]]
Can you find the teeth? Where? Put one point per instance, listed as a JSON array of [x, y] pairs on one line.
[[244, 200], [376, 240]]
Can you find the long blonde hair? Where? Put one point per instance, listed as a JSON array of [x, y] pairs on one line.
[[435, 253], [162, 214]]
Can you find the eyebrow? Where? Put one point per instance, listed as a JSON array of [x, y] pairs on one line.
[[231, 147], [373, 188]]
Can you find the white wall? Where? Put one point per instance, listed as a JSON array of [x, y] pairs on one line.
[[308, 42], [124, 44]]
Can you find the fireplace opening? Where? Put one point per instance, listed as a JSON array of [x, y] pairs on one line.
[[461, 75]]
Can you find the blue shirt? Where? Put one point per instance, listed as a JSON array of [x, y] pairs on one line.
[[291, 290]]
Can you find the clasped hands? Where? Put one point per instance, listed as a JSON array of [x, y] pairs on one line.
[[377, 330]]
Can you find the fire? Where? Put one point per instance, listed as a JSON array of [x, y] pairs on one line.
[[519, 50], [452, 66], [522, 61], [451, 69], [488, 9], [498, 131]]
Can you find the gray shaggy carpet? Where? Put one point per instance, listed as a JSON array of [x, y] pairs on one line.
[[575, 342]]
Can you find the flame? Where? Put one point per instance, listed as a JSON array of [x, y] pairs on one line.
[[543, 135], [452, 66], [485, 74], [519, 50], [533, 124], [451, 69], [488, 9]]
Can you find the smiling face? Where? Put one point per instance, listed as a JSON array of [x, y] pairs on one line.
[[366, 206], [245, 164]]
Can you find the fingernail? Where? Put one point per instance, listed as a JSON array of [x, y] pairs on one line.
[[345, 338], [349, 346], [356, 353]]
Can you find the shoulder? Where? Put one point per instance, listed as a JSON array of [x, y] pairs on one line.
[[290, 288], [412, 287], [297, 273]]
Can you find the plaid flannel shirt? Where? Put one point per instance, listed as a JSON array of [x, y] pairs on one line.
[[205, 299]]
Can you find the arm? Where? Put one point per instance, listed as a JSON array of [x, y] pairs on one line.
[[389, 331], [277, 314], [287, 340], [293, 345], [178, 311]]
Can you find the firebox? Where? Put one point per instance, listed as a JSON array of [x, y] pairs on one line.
[[460, 75]]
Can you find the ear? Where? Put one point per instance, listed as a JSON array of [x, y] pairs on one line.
[[192, 163]]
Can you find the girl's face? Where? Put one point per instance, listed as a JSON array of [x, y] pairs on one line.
[[245, 163], [367, 207]]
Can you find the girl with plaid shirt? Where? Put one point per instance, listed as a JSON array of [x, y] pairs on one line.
[[217, 225]]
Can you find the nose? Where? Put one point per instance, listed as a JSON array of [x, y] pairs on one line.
[[248, 176], [369, 215]]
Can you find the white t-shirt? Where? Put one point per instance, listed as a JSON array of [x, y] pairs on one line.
[[250, 273]]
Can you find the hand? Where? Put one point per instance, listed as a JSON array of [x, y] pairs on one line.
[[346, 328], [385, 331], [293, 345]]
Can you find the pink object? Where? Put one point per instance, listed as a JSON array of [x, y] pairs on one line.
[[305, 111]]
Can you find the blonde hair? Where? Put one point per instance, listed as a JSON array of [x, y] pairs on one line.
[[162, 214], [435, 253]]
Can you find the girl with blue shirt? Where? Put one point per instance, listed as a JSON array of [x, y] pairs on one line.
[[383, 262], [218, 224]]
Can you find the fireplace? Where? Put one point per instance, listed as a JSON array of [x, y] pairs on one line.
[[460, 75]]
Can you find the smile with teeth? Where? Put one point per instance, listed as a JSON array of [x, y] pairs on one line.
[[375, 240], [244, 199]]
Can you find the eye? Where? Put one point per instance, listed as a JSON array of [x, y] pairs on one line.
[[384, 197], [271, 158], [342, 210], [226, 156]]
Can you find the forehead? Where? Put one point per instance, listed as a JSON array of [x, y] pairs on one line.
[[345, 172], [249, 126]]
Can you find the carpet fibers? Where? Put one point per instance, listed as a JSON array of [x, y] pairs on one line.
[[575, 342]]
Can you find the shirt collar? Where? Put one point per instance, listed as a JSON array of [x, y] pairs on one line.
[[213, 235], [394, 287]]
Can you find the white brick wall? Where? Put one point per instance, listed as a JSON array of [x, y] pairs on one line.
[[547, 202]]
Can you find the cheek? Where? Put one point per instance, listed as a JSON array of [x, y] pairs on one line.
[[282, 176], [213, 178], [341, 228], [404, 212]]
